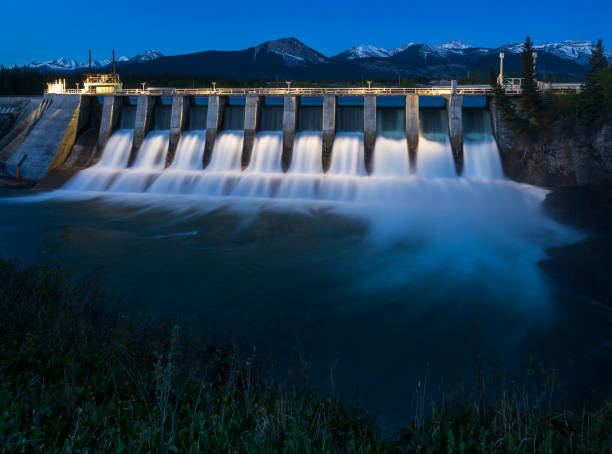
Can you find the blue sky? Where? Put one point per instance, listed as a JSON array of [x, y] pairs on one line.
[[36, 30]]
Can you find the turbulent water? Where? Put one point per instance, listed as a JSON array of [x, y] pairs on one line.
[[379, 280]]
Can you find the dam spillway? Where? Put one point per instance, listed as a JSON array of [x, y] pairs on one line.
[[285, 146], [236, 168]]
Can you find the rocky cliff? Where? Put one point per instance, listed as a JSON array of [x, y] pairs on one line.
[[561, 156]]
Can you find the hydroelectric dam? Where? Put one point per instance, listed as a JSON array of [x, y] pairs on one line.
[[260, 142]]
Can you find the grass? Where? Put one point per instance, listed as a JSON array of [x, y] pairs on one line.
[[78, 375]]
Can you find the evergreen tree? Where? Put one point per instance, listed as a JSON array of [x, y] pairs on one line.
[[530, 103], [592, 99], [492, 76], [505, 106]]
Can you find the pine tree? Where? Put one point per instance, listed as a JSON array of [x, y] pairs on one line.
[[592, 99], [530, 103], [492, 77], [505, 107]]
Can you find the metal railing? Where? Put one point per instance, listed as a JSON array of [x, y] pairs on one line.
[[481, 90]]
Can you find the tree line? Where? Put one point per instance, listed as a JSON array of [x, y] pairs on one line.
[[536, 111]]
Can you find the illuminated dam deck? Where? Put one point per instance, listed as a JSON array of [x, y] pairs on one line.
[[511, 87]]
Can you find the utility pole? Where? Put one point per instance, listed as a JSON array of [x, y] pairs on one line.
[[500, 78]]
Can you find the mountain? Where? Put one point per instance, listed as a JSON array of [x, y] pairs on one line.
[[293, 52], [288, 58], [65, 64], [367, 51]]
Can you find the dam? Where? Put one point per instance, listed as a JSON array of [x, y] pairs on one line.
[[295, 142]]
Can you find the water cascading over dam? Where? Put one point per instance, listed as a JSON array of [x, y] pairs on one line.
[[261, 175]]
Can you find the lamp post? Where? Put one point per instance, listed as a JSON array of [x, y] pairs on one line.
[[500, 78], [143, 85], [214, 84], [369, 82], [288, 82]]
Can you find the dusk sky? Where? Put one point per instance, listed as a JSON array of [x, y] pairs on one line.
[[48, 30]]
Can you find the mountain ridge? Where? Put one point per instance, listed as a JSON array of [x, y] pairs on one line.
[[290, 58]]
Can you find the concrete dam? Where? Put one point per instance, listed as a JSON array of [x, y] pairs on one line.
[[322, 144]]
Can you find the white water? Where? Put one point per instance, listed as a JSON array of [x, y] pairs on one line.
[[305, 173], [481, 160], [185, 166], [346, 179], [347, 167], [189, 151], [114, 157], [265, 168], [391, 157], [149, 163], [224, 167], [434, 159]]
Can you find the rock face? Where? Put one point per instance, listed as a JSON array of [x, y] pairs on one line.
[[585, 207], [561, 158]]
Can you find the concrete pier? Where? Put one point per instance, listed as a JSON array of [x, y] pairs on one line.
[[369, 130], [214, 117], [251, 123], [145, 110], [454, 105], [178, 121], [329, 129], [111, 112], [412, 128], [50, 137], [289, 124]]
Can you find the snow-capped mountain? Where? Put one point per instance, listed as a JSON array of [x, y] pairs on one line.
[[293, 51], [368, 51], [148, 55], [578, 51], [66, 64]]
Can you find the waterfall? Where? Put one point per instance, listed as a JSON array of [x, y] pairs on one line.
[[115, 157], [150, 161], [434, 156], [391, 157], [346, 169], [305, 172], [435, 159], [345, 180], [186, 164], [189, 151], [481, 156], [224, 167], [265, 167]]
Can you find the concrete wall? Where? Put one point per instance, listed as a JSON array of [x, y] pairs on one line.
[[369, 130], [329, 129], [289, 124], [454, 105], [178, 121], [412, 128], [25, 111], [214, 117], [50, 137], [111, 112], [503, 136], [251, 124], [145, 110]]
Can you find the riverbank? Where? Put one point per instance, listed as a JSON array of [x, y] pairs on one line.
[[8, 182], [584, 268], [77, 373]]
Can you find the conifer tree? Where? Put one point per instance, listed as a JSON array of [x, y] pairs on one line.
[[592, 99], [530, 103]]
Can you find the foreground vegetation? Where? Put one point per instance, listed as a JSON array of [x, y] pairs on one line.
[[78, 375]]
